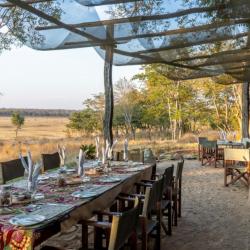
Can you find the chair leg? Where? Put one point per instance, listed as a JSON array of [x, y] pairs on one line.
[[179, 204], [175, 213], [84, 236], [133, 241]]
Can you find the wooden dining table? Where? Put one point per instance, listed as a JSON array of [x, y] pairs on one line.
[[61, 209]]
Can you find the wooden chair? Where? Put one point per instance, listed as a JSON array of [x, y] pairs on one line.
[[118, 156], [201, 140], [50, 161], [117, 230], [136, 155], [237, 166], [150, 218], [167, 199], [177, 191], [10, 170], [211, 153]]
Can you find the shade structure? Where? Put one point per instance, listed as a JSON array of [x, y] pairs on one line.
[[195, 38]]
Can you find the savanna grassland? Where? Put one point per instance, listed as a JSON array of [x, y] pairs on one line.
[[42, 134]]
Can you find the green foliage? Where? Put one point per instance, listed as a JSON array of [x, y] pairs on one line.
[[18, 121], [91, 150], [85, 121]]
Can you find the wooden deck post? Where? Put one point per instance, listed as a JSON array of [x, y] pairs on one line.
[[108, 90], [245, 110]]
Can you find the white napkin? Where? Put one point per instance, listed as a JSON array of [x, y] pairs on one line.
[[37, 169], [125, 154], [103, 155], [24, 163], [110, 150], [61, 151], [97, 145], [81, 159]]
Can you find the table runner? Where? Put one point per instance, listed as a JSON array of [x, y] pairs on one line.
[[19, 238]]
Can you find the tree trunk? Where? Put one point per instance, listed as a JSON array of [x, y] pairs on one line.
[[109, 101], [245, 110]]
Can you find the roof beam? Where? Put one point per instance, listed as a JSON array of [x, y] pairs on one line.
[[139, 18], [178, 31], [10, 5], [51, 19], [191, 44]]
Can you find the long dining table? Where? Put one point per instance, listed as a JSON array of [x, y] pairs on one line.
[[60, 208]]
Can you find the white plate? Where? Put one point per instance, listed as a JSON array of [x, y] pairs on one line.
[[43, 177], [70, 170], [27, 219], [110, 179], [83, 194]]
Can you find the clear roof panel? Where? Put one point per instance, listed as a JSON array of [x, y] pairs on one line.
[[197, 38]]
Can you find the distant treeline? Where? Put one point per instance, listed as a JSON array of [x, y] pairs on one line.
[[37, 112]]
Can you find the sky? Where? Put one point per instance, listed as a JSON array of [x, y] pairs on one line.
[[53, 79]]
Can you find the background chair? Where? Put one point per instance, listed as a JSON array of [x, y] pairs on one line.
[[10, 170], [201, 140], [237, 165], [50, 161], [177, 191], [211, 153]]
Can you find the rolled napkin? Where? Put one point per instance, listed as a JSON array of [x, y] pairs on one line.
[[103, 155], [61, 152], [81, 160], [111, 149], [125, 154], [30, 167], [34, 177], [24, 163], [97, 145]]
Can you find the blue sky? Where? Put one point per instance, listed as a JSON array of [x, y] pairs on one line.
[[53, 79]]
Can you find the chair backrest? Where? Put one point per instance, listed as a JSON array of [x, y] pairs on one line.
[[149, 156], [123, 225], [51, 161], [118, 156], [168, 178], [236, 154], [136, 155], [209, 144], [153, 195], [178, 176], [201, 140], [246, 142], [10, 170]]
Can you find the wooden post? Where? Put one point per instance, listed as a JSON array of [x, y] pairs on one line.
[[245, 110], [109, 102], [108, 88]]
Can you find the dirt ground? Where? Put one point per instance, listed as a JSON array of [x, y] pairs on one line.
[[214, 217]]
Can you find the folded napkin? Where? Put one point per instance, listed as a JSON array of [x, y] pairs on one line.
[[81, 161], [97, 145], [61, 152], [125, 154], [32, 170], [110, 149]]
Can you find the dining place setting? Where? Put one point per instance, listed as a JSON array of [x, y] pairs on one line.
[[40, 197]]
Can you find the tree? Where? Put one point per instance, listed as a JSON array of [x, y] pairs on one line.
[[85, 121], [18, 121]]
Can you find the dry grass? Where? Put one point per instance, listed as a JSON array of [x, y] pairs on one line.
[[42, 134]]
